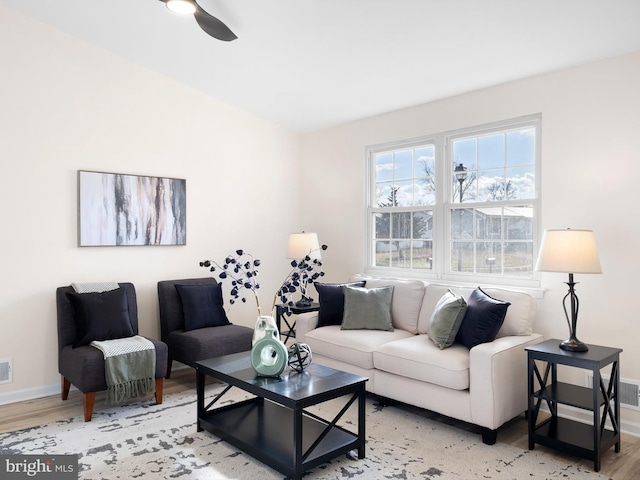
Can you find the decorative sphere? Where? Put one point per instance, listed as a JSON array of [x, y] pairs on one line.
[[299, 356]]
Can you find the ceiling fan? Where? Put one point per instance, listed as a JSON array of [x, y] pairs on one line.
[[207, 22]]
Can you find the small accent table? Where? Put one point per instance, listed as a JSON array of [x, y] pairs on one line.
[[280, 315], [274, 426], [585, 440]]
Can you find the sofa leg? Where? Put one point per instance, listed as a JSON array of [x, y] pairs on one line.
[[66, 386], [159, 384], [489, 436], [88, 399]]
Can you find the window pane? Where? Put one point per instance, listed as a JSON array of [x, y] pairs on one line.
[[462, 223], [518, 223], [464, 151], [425, 162], [462, 257], [521, 147], [404, 193], [422, 225], [383, 225], [488, 258], [403, 164], [401, 258], [491, 151], [383, 254], [401, 225], [384, 194], [518, 258], [489, 223], [384, 167], [491, 186], [521, 182], [422, 254]]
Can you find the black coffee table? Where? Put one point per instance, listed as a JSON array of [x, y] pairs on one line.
[[274, 426]]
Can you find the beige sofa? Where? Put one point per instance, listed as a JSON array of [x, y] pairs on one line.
[[485, 386]]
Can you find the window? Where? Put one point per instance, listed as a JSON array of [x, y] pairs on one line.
[[457, 205]]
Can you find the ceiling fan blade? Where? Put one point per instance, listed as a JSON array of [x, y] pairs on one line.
[[213, 26]]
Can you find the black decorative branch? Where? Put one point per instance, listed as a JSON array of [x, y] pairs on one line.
[[303, 272], [242, 270]]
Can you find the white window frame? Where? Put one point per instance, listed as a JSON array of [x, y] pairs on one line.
[[441, 210]]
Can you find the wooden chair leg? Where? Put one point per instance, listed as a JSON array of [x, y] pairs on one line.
[[88, 399], [66, 385], [159, 385]]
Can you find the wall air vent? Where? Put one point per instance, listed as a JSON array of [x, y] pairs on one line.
[[629, 391], [6, 372]]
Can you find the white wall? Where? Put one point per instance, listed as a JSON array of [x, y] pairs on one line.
[[67, 106], [590, 173]]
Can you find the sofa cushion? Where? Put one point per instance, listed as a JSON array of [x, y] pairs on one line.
[[417, 357], [483, 319], [202, 306], [406, 302], [446, 319], [351, 346], [331, 300], [100, 316], [367, 308]]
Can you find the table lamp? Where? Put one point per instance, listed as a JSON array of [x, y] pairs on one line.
[[300, 246], [569, 251]]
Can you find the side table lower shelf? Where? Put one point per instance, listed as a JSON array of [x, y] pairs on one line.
[[570, 436], [264, 430]]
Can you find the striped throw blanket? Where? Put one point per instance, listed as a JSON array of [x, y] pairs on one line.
[[130, 365]]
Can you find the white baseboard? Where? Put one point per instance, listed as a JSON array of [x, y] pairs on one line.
[[583, 416], [49, 390], [29, 394]]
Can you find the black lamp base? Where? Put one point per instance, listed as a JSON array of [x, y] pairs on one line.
[[303, 302], [574, 345]]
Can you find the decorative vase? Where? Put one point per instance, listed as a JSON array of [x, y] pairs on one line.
[[299, 356], [269, 355], [260, 330]]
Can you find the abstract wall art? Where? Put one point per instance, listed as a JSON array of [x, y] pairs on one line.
[[118, 209]]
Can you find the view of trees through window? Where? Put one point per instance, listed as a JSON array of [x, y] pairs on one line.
[[457, 203]]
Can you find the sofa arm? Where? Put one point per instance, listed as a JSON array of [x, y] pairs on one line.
[[498, 379], [305, 322]]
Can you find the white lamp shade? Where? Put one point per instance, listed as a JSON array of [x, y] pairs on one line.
[[302, 244], [568, 251]]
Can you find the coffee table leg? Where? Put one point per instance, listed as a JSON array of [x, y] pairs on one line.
[[297, 442], [200, 393], [361, 419]]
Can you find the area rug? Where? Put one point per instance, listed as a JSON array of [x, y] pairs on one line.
[[149, 441]]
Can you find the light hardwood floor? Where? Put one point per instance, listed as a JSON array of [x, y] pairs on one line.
[[619, 466]]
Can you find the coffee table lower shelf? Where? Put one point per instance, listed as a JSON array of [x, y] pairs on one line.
[[265, 430]]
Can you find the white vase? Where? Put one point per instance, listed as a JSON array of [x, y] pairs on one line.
[[260, 330]]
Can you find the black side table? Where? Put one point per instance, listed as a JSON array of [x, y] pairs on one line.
[[576, 438], [281, 309]]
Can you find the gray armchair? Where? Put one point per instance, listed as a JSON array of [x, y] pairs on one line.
[[186, 345], [83, 365]]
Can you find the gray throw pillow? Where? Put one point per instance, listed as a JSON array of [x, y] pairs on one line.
[[446, 319], [367, 308]]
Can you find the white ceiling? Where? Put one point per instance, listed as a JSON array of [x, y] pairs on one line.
[[310, 64]]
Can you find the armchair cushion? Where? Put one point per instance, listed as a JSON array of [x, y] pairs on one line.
[[202, 306], [100, 316]]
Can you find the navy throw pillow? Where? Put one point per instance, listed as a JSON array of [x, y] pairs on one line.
[[101, 316], [482, 320], [331, 299], [202, 306]]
